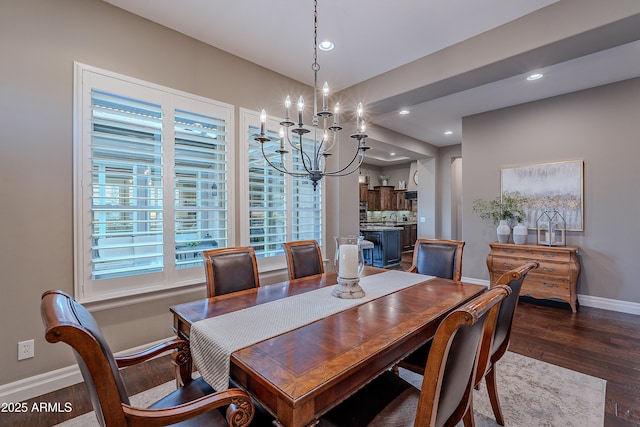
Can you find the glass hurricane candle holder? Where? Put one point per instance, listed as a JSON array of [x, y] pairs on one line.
[[348, 263]]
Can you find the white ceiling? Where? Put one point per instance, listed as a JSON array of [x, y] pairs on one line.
[[369, 40]]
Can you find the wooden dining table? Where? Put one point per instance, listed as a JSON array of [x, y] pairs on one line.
[[300, 374]]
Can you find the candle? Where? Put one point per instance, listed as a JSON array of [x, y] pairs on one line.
[[325, 95], [287, 104], [263, 121], [348, 264], [358, 116], [281, 138], [300, 109], [336, 110]]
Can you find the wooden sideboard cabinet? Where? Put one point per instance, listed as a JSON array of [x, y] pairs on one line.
[[556, 277]]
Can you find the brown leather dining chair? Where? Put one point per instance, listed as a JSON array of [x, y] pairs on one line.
[[496, 346], [193, 403], [230, 270], [446, 395], [304, 258], [438, 257], [433, 257]]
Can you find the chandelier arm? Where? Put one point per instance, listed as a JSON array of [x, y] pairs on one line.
[[281, 170], [304, 155], [341, 173], [338, 171], [333, 143]]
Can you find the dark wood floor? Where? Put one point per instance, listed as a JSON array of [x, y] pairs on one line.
[[597, 342]]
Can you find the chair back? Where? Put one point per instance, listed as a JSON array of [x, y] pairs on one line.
[[447, 389], [438, 257], [304, 258], [230, 269], [502, 335], [68, 321]]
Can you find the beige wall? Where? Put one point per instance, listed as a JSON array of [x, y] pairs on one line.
[[599, 126], [39, 41]]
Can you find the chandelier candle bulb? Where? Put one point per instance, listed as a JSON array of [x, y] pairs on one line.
[[263, 121], [336, 110], [281, 138], [300, 110], [325, 94], [287, 104], [348, 264]]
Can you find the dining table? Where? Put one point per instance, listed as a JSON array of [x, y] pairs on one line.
[[331, 348]]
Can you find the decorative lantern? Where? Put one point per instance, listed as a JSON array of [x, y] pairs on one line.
[[551, 228]]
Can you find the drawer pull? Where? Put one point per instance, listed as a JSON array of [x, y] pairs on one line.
[[550, 270], [549, 255], [550, 285], [507, 264]]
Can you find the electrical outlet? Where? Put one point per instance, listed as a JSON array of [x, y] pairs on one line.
[[25, 350]]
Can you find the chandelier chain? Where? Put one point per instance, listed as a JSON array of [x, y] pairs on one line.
[[315, 66]]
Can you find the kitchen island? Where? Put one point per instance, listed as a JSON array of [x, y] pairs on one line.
[[387, 245]]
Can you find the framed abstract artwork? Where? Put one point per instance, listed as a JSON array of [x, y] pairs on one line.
[[549, 186]]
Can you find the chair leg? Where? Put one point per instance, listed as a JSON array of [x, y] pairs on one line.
[[395, 370], [468, 419], [492, 389]]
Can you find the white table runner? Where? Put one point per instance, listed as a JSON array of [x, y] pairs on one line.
[[214, 339]]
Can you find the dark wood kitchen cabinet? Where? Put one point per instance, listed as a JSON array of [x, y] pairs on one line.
[[409, 236]]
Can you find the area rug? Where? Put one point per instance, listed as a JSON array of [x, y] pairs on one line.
[[532, 394]]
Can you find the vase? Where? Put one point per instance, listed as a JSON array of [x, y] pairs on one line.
[[348, 263], [504, 231], [520, 234]]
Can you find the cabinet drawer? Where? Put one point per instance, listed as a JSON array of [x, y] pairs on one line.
[[545, 285], [551, 269], [504, 264], [529, 253]]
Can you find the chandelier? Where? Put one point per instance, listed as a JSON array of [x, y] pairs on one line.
[[326, 128]]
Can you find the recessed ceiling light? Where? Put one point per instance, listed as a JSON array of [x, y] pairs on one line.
[[535, 76], [392, 154], [448, 132], [326, 46], [403, 112]]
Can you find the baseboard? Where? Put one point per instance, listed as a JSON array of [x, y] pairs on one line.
[[609, 304], [37, 385]]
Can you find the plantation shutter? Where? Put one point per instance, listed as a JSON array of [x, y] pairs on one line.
[[200, 187], [267, 198], [126, 186], [306, 215]]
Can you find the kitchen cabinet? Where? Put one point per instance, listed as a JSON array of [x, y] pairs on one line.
[[387, 247], [399, 199], [364, 192], [383, 198], [373, 200], [409, 236], [387, 198]]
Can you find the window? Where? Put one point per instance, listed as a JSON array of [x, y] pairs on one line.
[[152, 188], [278, 207]]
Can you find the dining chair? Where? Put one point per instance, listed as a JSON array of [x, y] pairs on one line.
[[230, 270], [193, 403], [446, 395], [438, 257], [496, 346], [433, 257], [304, 258]]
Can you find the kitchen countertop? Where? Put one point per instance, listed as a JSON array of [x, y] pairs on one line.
[[379, 228]]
